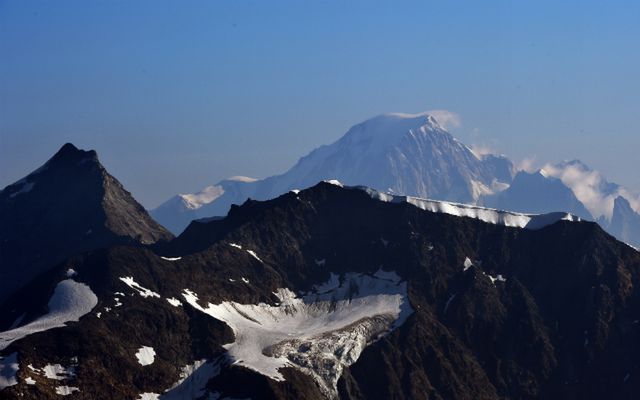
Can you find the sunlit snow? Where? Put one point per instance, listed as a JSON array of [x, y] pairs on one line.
[[489, 215], [334, 182], [319, 333], [174, 302], [66, 390], [254, 255], [467, 264], [142, 291], [56, 372], [146, 355], [148, 396], [193, 380]]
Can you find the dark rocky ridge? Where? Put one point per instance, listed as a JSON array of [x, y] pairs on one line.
[[69, 205], [468, 338]]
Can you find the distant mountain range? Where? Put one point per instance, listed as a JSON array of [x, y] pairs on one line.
[[412, 154]]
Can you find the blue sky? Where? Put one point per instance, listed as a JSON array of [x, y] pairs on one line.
[[176, 95]]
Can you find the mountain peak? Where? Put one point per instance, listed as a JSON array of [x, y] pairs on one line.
[[425, 118], [70, 153], [622, 204], [71, 204], [379, 134], [402, 122], [68, 147], [409, 154]]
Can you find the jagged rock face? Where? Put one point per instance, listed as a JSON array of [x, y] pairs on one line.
[[625, 222], [493, 311], [69, 205]]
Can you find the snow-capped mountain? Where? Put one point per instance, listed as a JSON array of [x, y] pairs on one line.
[[70, 204], [335, 292], [176, 213], [409, 154]]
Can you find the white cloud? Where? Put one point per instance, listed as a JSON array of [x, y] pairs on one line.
[[481, 150], [446, 119], [527, 164], [591, 188]]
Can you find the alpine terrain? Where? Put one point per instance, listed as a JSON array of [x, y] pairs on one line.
[[333, 292]]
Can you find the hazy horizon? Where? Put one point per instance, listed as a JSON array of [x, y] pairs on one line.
[[182, 95]]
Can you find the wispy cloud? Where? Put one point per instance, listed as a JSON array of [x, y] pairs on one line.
[[527, 164], [481, 150], [447, 119], [591, 188]]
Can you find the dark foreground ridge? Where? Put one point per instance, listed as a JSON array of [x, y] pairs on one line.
[[69, 205], [485, 311]]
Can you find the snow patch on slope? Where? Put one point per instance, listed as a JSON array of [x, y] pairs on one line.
[[66, 390], [193, 380], [171, 258], [319, 333], [146, 355], [142, 291], [56, 372], [254, 255], [70, 301], [174, 302]]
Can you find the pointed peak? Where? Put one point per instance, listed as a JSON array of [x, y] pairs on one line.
[[621, 202], [70, 153], [408, 120], [68, 147]]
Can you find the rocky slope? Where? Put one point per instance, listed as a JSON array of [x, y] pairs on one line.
[[337, 292], [69, 205]]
